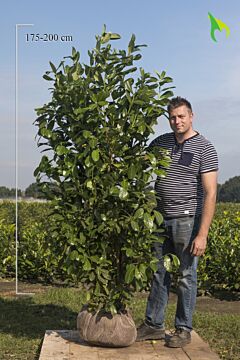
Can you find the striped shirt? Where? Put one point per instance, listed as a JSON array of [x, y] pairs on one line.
[[180, 193]]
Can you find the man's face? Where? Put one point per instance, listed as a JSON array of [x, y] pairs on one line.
[[180, 120]]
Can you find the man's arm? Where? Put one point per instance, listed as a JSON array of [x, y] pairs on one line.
[[209, 182]]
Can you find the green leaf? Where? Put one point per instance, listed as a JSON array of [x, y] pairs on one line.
[[86, 265], [103, 217], [126, 72], [125, 184], [168, 263], [128, 97], [53, 67], [48, 78], [141, 129], [74, 51], [137, 57], [88, 296], [87, 161], [139, 213], [44, 163], [137, 273], [131, 44], [82, 237], [113, 309], [159, 239], [104, 29], [134, 225], [160, 172], [36, 171], [74, 255], [106, 274], [92, 276], [129, 276], [105, 38], [61, 150], [45, 133], [97, 290], [95, 155], [123, 194], [129, 252], [148, 221], [142, 269], [75, 76], [128, 84], [162, 75], [89, 184], [152, 159], [171, 262], [176, 261], [115, 36], [7, 259], [158, 217], [114, 190], [87, 134], [154, 264], [167, 94]]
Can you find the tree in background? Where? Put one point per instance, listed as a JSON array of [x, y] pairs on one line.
[[230, 190], [34, 190], [8, 193]]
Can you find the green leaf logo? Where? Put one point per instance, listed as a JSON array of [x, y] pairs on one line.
[[217, 24]]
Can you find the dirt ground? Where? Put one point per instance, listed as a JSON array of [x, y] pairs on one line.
[[221, 302], [8, 287]]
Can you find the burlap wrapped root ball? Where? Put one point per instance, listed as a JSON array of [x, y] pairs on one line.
[[103, 329]]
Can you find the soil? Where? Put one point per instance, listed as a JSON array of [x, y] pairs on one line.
[[219, 302], [8, 287]]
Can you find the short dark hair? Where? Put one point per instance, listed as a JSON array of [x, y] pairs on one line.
[[178, 101]]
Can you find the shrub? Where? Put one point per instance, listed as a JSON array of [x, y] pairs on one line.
[[97, 126], [41, 259], [220, 267]]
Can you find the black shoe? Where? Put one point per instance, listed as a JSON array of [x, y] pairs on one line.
[[179, 338], [145, 332]]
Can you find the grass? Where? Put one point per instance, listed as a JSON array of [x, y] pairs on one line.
[[23, 322], [221, 331]]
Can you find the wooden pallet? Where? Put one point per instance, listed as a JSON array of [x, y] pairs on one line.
[[66, 345]]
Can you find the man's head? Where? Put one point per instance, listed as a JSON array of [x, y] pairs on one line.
[[178, 101], [180, 117]]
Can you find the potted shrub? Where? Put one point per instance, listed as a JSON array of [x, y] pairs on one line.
[[98, 174]]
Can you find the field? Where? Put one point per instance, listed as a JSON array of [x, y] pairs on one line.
[[23, 320]]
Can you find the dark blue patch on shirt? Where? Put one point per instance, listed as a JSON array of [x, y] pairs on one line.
[[185, 159]]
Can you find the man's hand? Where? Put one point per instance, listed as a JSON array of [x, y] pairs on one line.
[[198, 246]]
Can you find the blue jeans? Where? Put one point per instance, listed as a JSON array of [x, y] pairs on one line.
[[180, 232]]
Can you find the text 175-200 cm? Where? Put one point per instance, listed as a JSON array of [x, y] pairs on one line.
[[48, 37]]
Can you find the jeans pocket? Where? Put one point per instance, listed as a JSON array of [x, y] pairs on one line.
[[185, 225], [183, 234]]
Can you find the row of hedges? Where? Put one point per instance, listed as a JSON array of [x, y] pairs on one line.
[[37, 260], [220, 267], [40, 253]]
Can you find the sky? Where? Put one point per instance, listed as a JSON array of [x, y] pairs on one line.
[[177, 34]]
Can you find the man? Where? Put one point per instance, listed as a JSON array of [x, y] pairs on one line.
[[186, 198]]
